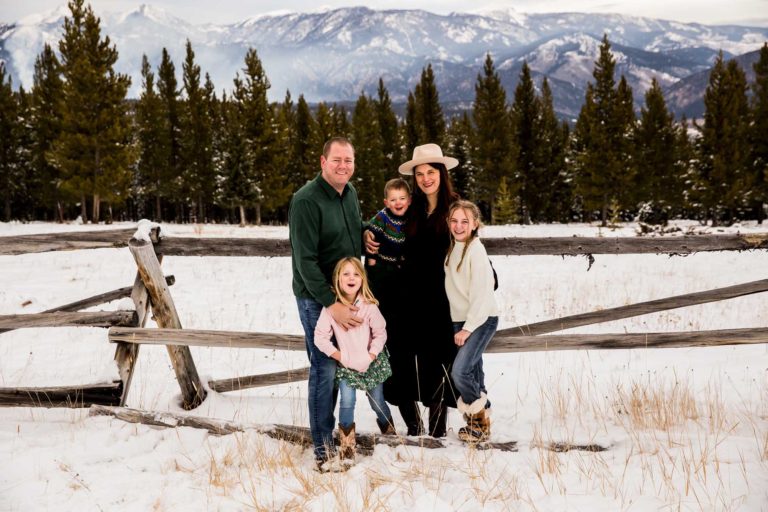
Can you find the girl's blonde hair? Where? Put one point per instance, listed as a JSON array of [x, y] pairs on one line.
[[365, 290], [469, 208]]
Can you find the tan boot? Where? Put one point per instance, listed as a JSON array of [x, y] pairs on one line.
[[478, 427], [347, 442], [478, 420]]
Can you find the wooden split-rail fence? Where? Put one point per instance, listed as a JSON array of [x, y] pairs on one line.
[[151, 292]]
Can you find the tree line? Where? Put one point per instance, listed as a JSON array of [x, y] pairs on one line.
[[74, 145]]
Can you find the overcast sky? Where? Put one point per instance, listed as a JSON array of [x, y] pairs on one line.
[[752, 12]]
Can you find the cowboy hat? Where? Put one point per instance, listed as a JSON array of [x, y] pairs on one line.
[[427, 154]]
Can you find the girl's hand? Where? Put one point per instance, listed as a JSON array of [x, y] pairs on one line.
[[373, 356], [371, 245], [461, 337], [337, 356]]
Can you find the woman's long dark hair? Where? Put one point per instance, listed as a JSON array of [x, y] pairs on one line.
[[445, 197]]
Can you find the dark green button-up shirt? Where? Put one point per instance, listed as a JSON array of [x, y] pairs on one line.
[[324, 226]]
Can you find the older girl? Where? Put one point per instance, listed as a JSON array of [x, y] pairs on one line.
[[469, 285]]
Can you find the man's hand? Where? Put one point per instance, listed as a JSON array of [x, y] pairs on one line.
[[371, 245], [461, 337], [345, 315]]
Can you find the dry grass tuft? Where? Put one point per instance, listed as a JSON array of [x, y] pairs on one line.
[[656, 407]]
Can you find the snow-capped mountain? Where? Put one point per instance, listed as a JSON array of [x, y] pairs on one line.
[[335, 54], [687, 95]]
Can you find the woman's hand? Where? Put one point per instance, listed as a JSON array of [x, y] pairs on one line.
[[461, 337], [337, 356], [371, 245], [373, 356]]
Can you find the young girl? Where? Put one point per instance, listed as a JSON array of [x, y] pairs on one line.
[[363, 364], [469, 286]]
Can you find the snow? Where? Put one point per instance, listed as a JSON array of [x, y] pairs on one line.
[[144, 228], [460, 34], [685, 429]]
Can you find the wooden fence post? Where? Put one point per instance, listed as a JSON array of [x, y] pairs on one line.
[[165, 314], [126, 354]]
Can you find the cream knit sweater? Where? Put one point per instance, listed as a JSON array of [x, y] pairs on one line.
[[470, 289]]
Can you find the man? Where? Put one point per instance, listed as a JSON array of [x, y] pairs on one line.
[[325, 225]]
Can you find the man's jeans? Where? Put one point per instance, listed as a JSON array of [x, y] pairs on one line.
[[467, 369], [375, 398], [321, 391]]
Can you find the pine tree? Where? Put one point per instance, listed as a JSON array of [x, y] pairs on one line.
[[306, 147], [23, 137], [325, 124], [623, 129], [685, 166], [430, 122], [525, 113], [341, 124], [602, 140], [506, 206], [197, 137], [758, 132], [169, 144], [492, 142], [410, 127], [238, 188], [724, 181], [258, 117], [93, 149], [9, 177], [657, 180], [390, 140], [46, 127], [27, 186], [150, 131], [286, 140], [370, 163], [460, 138], [550, 153]]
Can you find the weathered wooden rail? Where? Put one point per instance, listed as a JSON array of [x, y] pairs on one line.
[[522, 246], [150, 291]]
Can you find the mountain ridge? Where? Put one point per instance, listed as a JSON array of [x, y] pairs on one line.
[[335, 54]]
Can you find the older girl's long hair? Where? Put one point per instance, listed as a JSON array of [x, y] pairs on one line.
[[470, 210], [445, 196], [365, 289]]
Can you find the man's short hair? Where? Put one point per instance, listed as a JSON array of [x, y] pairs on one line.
[[336, 140], [396, 184]]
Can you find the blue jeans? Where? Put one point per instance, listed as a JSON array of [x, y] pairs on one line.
[[321, 391], [347, 397], [467, 372]]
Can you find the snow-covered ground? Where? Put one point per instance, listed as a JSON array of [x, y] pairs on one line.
[[687, 429]]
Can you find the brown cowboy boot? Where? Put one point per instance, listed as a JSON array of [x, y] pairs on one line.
[[478, 427], [347, 441], [387, 428]]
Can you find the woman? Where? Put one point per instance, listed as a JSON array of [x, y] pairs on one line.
[[421, 356]]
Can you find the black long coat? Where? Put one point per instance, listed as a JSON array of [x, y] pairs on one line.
[[420, 331]]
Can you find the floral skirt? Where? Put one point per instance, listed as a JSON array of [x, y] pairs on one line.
[[377, 372]]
